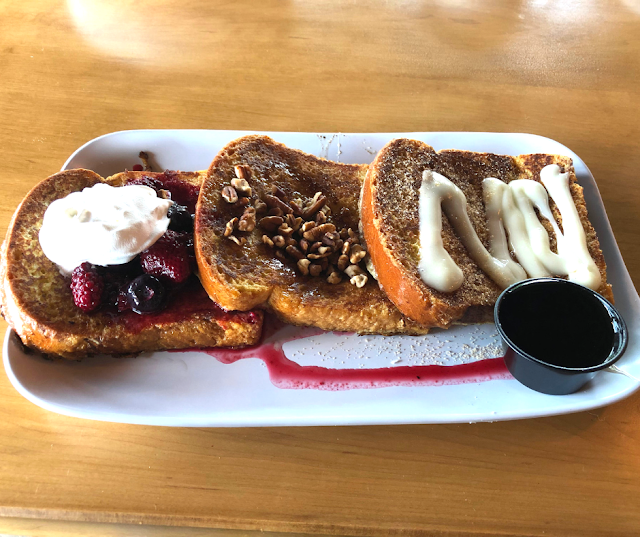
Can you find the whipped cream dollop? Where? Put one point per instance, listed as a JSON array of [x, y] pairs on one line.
[[103, 225]]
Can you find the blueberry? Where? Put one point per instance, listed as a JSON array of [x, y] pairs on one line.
[[145, 294], [181, 218]]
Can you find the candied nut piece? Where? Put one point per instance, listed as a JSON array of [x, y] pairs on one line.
[[304, 245], [267, 240], [277, 191], [303, 265], [279, 241], [242, 171], [248, 220], [280, 255], [275, 211], [294, 252], [359, 280], [231, 225], [276, 203], [316, 233], [229, 194], [307, 226], [353, 270], [316, 204], [320, 218], [357, 254], [238, 241], [261, 206], [343, 262], [241, 186], [315, 269], [271, 223], [334, 277]]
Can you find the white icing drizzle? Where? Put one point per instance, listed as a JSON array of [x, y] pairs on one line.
[[509, 206], [573, 246], [436, 267]]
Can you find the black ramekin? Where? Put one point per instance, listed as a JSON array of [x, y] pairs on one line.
[[547, 378]]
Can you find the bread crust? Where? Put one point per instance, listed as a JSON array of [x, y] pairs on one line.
[[393, 180], [37, 302], [246, 276]]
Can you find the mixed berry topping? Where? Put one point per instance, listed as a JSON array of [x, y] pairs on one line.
[[167, 258], [143, 284], [145, 180], [145, 294], [181, 218], [87, 286]]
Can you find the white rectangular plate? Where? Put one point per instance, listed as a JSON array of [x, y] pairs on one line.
[[194, 389]]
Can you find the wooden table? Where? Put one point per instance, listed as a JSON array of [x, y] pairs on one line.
[[71, 71]]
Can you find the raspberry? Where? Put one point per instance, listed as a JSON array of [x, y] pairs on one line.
[[167, 258], [137, 168], [86, 287]]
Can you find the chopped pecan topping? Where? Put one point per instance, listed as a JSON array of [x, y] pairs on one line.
[[303, 265], [279, 241], [334, 277], [315, 269], [267, 240], [357, 254], [316, 233], [274, 202], [353, 270], [229, 194], [304, 245], [248, 220], [231, 225], [343, 262], [242, 171], [271, 223], [238, 241], [241, 186], [294, 252], [275, 211], [260, 206], [307, 226], [317, 204], [277, 191], [318, 256], [359, 280]]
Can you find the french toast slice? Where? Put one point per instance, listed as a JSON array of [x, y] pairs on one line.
[[390, 217], [242, 269], [38, 304]]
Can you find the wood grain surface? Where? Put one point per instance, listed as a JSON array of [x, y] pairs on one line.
[[569, 70]]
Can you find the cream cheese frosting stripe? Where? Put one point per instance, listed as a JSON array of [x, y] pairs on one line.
[[510, 208]]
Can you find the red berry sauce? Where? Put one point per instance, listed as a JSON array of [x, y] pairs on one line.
[[285, 373]]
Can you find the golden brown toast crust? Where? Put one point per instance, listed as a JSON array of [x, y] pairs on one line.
[[37, 302], [246, 276], [391, 225]]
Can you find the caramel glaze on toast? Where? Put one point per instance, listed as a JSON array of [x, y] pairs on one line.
[[246, 276], [391, 226], [37, 302]]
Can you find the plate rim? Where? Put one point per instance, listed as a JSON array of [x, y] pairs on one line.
[[185, 421]]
